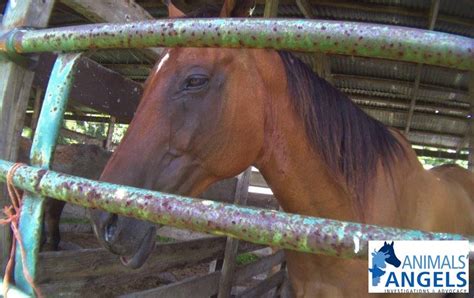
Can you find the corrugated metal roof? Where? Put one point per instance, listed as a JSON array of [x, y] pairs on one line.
[[420, 121], [426, 139], [396, 89], [398, 71]]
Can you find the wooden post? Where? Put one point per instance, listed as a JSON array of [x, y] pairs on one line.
[[114, 11], [36, 108], [433, 15], [305, 8], [227, 266], [271, 9], [110, 133], [14, 92], [232, 244]]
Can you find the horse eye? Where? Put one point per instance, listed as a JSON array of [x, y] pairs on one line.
[[195, 82]]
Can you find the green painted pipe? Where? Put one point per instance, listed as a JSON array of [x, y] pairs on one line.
[[333, 37], [274, 228], [44, 142]]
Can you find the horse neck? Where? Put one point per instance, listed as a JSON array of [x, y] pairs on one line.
[[296, 174], [302, 183]]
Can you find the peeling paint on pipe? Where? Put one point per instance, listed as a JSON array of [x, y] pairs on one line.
[[333, 37], [288, 231]]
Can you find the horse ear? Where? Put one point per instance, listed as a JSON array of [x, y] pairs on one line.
[[385, 243], [173, 11], [238, 9], [391, 244]]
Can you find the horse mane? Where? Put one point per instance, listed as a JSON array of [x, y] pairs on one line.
[[350, 142]]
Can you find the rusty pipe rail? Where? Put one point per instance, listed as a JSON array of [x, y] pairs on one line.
[[284, 230], [347, 38]]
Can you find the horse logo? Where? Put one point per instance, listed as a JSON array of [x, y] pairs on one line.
[[380, 258]]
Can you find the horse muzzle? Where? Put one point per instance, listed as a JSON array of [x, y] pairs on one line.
[[133, 240]]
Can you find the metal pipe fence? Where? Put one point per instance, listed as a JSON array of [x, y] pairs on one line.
[[279, 229], [274, 228], [333, 37]]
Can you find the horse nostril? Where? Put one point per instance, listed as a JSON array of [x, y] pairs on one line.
[[110, 228]]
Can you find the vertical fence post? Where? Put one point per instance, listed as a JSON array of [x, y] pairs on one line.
[[232, 244], [110, 133], [44, 142], [271, 8], [14, 93], [36, 108]]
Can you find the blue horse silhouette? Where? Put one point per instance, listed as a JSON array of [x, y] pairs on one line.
[[386, 254]]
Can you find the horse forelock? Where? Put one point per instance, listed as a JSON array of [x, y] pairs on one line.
[[350, 142]]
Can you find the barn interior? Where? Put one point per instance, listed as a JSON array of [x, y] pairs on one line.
[[433, 106]]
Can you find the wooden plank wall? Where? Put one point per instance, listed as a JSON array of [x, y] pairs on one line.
[[14, 93], [80, 273]]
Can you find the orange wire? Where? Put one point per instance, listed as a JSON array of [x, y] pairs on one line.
[[12, 214]]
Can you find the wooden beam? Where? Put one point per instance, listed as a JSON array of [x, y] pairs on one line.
[[113, 11], [232, 244], [262, 265], [205, 286], [306, 9], [110, 133], [271, 9], [82, 138], [90, 263], [431, 23], [198, 286], [97, 87], [36, 108], [264, 286], [14, 93], [414, 92], [434, 10]]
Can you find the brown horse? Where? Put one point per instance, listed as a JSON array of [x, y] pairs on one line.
[[207, 114], [80, 160]]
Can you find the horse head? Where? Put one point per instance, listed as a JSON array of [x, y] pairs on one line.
[[189, 130]]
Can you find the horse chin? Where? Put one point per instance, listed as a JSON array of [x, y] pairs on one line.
[[147, 245]]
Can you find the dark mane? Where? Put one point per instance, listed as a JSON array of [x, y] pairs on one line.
[[349, 141]]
